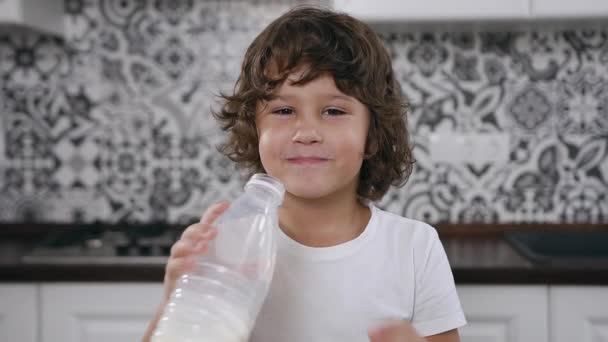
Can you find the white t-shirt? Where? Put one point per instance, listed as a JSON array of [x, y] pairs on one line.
[[396, 269]]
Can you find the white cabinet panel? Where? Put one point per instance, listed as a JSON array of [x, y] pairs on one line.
[[19, 312], [47, 15], [579, 313], [9, 10], [117, 312], [504, 313], [394, 10], [569, 9], [97, 312]]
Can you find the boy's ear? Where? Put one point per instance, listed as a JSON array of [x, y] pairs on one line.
[[371, 147]]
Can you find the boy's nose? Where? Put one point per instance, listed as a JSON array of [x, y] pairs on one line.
[[307, 127], [306, 130], [307, 136]]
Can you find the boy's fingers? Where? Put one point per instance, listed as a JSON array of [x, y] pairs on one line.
[[184, 248], [381, 334], [197, 231], [194, 241], [209, 234], [397, 331], [213, 212], [202, 229], [180, 248], [176, 267]]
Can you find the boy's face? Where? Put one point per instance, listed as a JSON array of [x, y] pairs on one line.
[[312, 137]]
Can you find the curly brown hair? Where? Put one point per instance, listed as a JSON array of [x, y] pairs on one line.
[[346, 48]]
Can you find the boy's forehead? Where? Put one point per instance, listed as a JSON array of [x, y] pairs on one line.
[[298, 72], [323, 83], [274, 71]]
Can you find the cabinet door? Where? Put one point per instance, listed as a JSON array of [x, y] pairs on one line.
[[92, 312], [10, 10], [504, 313], [393, 10], [45, 15], [569, 9], [579, 313], [19, 312]]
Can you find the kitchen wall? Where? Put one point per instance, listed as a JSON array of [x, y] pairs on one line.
[[113, 123]]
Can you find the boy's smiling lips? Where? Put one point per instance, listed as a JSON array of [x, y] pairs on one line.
[[307, 160]]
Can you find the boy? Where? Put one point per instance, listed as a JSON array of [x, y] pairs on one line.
[[318, 107]]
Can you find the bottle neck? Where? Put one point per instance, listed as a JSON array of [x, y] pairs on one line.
[[264, 196]]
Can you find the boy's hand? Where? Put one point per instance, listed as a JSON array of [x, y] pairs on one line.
[[194, 241], [396, 331]]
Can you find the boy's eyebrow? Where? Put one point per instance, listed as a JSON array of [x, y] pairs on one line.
[[340, 97], [329, 96]]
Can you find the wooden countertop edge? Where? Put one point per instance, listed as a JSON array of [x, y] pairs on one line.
[[473, 229], [446, 229], [155, 273]]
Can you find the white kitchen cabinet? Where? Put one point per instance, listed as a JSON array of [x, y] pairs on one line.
[[504, 313], [578, 313], [19, 312], [117, 312], [568, 9], [97, 312], [46, 15], [434, 10]]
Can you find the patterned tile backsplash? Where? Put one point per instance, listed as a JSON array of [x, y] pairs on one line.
[[113, 123]]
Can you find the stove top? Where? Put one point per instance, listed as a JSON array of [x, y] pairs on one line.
[[149, 245]]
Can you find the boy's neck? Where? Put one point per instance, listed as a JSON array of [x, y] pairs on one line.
[[323, 222]]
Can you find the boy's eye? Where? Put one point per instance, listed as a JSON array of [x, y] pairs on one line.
[[283, 111], [334, 111]]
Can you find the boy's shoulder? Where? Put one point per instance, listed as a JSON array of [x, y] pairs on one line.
[[397, 225]]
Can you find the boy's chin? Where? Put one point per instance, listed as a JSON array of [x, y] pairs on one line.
[[308, 191], [307, 195], [313, 187]]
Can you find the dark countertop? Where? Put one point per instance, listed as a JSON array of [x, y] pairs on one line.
[[475, 259], [491, 260]]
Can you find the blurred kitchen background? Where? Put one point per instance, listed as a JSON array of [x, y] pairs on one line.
[[108, 150], [110, 121]]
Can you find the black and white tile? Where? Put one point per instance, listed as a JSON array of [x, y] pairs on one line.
[[113, 123], [546, 89]]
